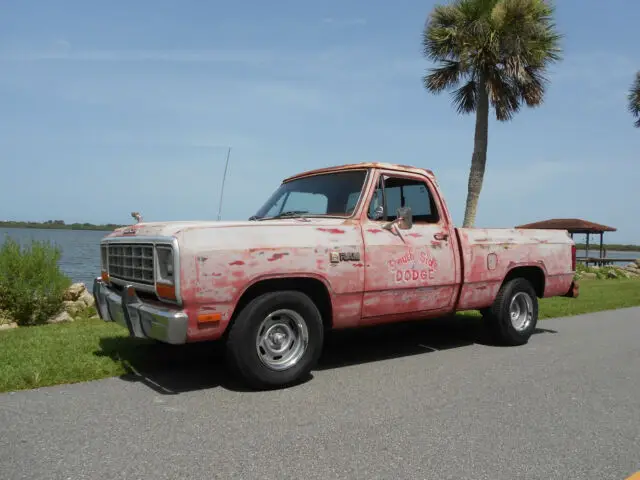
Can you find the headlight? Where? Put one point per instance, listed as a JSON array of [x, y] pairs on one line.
[[165, 264]]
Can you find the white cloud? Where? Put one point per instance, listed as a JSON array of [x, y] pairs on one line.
[[62, 45], [60, 53], [518, 181], [344, 22], [595, 79], [524, 180], [594, 67], [325, 81]]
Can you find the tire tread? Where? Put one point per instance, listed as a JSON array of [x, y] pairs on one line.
[[239, 354], [498, 319]]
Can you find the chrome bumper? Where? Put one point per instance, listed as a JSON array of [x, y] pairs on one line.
[[141, 319]]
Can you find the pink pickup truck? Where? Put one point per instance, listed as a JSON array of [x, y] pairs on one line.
[[333, 248]]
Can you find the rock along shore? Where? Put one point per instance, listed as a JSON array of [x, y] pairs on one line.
[[77, 301]]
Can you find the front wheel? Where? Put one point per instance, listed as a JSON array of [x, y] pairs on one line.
[[514, 314], [276, 339]]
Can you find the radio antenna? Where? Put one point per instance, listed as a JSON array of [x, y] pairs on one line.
[[224, 177]]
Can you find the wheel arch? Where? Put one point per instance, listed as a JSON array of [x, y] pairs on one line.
[[315, 288], [535, 274]]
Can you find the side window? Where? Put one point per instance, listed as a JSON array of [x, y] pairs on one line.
[[404, 192], [376, 211]]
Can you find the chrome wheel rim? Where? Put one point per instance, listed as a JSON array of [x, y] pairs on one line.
[[521, 311], [282, 339]]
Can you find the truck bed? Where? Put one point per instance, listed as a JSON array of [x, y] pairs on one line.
[[489, 255]]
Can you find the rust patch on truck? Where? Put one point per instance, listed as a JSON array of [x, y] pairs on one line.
[[277, 256], [334, 231]]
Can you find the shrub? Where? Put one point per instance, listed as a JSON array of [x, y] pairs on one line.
[[31, 283]]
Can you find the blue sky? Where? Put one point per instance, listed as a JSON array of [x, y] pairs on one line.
[[109, 107]]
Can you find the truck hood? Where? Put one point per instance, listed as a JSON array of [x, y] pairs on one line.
[[172, 229]]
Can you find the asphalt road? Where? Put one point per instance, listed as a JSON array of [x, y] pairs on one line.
[[426, 401]]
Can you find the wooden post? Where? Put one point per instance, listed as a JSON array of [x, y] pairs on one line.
[[587, 252], [601, 252]]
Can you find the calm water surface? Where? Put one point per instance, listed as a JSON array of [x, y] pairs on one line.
[[81, 250]]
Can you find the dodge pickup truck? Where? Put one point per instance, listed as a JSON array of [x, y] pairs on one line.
[[333, 248]]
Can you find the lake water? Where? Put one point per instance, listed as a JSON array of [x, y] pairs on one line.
[[595, 252], [81, 250]]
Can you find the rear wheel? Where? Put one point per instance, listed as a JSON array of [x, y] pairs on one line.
[[276, 339], [513, 316]]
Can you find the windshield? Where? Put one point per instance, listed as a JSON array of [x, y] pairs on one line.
[[331, 194]]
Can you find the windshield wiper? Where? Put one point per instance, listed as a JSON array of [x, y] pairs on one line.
[[291, 213], [287, 214]]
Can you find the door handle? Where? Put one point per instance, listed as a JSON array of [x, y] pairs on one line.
[[441, 236]]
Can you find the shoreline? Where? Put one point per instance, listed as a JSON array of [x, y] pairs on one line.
[[73, 226]]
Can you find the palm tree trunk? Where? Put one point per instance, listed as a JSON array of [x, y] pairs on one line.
[[479, 158]]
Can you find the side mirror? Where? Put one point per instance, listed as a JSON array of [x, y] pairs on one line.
[[404, 219]]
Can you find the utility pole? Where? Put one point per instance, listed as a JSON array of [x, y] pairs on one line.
[[224, 177]]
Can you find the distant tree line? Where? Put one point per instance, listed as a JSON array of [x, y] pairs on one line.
[[60, 225]]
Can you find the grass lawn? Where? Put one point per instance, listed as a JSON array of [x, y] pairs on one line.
[[91, 349]]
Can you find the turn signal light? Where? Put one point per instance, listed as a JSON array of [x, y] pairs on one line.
[[165, 291], [209, 317]]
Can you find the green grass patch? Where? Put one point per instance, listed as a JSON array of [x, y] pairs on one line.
[[90, 349], [595, 296], [53, 354]]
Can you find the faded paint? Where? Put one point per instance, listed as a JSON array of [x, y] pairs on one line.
[[376, 275], [270, 249], [366, 166], [549, 251]]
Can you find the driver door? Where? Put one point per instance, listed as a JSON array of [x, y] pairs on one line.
[[407, 271]]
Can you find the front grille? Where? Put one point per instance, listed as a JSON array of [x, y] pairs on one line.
[[131, 261]]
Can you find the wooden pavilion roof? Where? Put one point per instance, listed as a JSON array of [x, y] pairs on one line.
[[572, 225]]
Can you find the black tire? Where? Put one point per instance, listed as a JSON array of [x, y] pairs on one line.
[[241, 349], [498, 316]]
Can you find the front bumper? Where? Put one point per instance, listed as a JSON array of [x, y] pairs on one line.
[[141, 319]]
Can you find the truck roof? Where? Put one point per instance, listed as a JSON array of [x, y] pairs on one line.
[[363, 165]]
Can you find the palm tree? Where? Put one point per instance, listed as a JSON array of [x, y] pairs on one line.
[[634, 99], [495, 53]]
